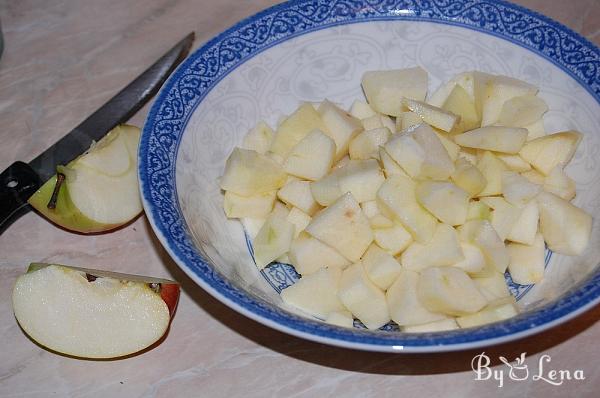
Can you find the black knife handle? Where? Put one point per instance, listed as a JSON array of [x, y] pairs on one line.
[[17, 184]]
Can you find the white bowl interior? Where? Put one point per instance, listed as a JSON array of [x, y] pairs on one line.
[[329, 64]]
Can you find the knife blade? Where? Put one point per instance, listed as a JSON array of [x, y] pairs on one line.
[[21, 180]]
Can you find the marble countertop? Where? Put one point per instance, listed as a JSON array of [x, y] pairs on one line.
[[62, 60]]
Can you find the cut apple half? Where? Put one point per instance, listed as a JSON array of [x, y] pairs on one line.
[[91, 313], [100, 189]]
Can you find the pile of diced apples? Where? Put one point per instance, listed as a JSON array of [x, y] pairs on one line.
[[409, 210]]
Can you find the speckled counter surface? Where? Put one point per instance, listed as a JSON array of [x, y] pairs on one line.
[[62, 60]]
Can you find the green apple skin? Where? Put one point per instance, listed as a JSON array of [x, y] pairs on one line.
[[65, 214]]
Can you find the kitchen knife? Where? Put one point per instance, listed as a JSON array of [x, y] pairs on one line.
[[21, 180]]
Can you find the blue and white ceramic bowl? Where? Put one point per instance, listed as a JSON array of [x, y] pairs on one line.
[[309, 50]]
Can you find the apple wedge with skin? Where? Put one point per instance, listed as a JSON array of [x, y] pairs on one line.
[[100, 190], [92, 313]]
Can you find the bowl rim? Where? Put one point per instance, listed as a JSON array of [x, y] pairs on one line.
[[175, 104]]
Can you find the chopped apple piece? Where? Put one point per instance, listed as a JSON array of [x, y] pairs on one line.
[[370, 208], [340, 318], [484, 236], [443, 249], [259, 139], [493, 286], [362, 297], [252, 226], [517, 189], [386, 89], [361, 110], [255, 206], [295, 127], [524, 230], [382, 268], [308, 255], [403, 303], [390, 166], [366, 144], [393, 239], [460, 103], [488, 315], [449, 290], [372, 122], [504, 216], [362, 178], [341, 126], [316, 294], [249, 173], [478, 211], [436, 326], [437, 164], [499, 90], [560, 184], [527, 262], [273, 240], [536, 130], [522, 111], [473, 262], [494, 138], [444, 200], [343, 215], [468, 177], [534, 176], [300, 220], [565, 227], [379, 221], [312, 157], [452, 149], [404, 150], [432, 115], [397, 197], [297, 193], [407, 120], [546, 152], [491, 167], [514, 162]]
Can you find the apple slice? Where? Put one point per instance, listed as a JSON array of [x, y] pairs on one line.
[[340, 318], [565, 227], [362, 297], [390, 166], [473, 262], [249, 173], [366, 144], [449, 290], [407, 120], [499, 90], [273, 240], [460, 103], [491, 167], [546, 152], [341, 126], [403, 303], [100, 190], [560, 184], [91, 313], [491, 313], [522, 111], [468, 177], [484, 236], [343, 215], [436, 326], [393, 239], [514, 162], [492, 286], [443, 249], [361, 110], [308, 255], [517, 189], [446, 201], [255, 206], [386, 89], [432, 115], [527, 262], [382, 268], [259, 139], [295, 127], [312, 157], [316, 294], [397, 197], [297, 193], [494, 138]]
